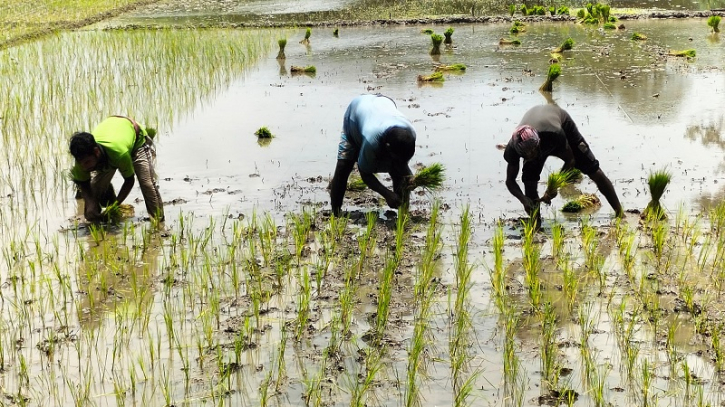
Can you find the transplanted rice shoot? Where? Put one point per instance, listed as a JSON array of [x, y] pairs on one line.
[[430, 177], [657, 182], [436, 39], [554, 72], [565, 46], [687, 53], [282, 42], [434, 77], [263, 132], [714, 23]]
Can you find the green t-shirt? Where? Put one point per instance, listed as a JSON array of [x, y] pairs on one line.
[[117, 137]]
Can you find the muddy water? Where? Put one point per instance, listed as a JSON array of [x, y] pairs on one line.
[[638, 111]]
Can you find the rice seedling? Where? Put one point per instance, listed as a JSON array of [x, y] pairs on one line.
[[436, 40], [282, 42], [459, 342], [504, 41], [336, 32], [584, 201], [310, 69], [113, 213], [638, 37], [497, 273], [517, 27], [448, 33], [714, 23], [553, 73], [308, 33], [263, 132], [531, 262], [567, 45], [549, 347], [427, 31], [687, 53], [430, 177], [524, 10], [657, 182], [451, 68]]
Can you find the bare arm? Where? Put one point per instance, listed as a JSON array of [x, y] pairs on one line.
[[373, 183], [92, 210], [125, 189]]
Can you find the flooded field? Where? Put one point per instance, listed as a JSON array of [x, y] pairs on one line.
[[250, 294]]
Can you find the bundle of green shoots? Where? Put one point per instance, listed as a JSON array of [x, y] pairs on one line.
[[565, 46], [657, 181], [434, 77], [303, 69], [584, 201], [448, 34], [355, 183], [714, 23], [559, 180], [638, 36], [151, 132], [263, 132], [112, 214], [451, 68], [517, 27], [436, 39], [687, 53], [308, 33], [430, 177], [504, 41], [282, 42], [554, 72]]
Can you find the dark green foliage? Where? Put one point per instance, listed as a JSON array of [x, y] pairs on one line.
[[552, 10], [512, 9], [263, 132]]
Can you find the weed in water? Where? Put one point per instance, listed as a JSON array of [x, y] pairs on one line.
[[310, 69]]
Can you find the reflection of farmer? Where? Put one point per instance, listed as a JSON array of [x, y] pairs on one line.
[[380, 139], [117, 143], [545, 131]]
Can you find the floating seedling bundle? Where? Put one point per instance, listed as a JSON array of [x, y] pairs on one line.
[[303, 69], [517, 27], [638, 36], [687, 53], [657, 182], [451, 68], [552, 74], [504, 41], [434, 77], [565, 46], [584, 201]]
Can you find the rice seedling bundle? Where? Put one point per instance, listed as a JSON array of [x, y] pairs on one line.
[[263, 132], [558, 180], [430, 177], [638, 36], [434, 77], [113, 213], [436, 39], [714, 23], [610, 26], [584, 201], [282, 42], [303, 69], [552, 74], [504, 41], [426, 31], [687, 53], [355, 183], [448, 34], [565, 46], [657, 182], [449, 68]]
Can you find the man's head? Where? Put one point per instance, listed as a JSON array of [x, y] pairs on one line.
[[85, 150], [526, 142], [399, 143]]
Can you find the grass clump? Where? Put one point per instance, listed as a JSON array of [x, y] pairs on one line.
[[436, 39], [553, 73], [504, 41], [584, 201], [282, 42], [687, 53], [427, 31], [638, 37], [714, 23], [449, 36], [434, 77], [657, 182], [565, 46], [451, 68], [263, 132], [430, 177]]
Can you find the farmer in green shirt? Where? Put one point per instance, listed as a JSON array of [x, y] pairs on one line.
[[117, 143]]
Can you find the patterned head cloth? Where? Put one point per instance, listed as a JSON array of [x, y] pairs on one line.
[[526, 140]]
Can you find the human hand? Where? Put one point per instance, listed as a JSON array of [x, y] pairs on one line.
[[547, 197], [393, 200], [529, 204]]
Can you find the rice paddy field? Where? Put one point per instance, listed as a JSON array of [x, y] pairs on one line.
[[251, 293]]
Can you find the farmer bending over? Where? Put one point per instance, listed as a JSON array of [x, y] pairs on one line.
[[117, 143], [380, 139], [544, 131]]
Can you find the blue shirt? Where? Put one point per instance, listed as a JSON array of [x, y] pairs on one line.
[[366, 119]]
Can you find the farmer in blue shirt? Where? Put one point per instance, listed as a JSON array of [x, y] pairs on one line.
[[377, 137]]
